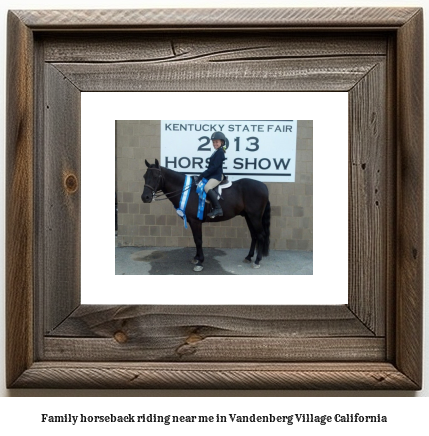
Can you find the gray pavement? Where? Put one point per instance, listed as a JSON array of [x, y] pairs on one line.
[[217, 261]]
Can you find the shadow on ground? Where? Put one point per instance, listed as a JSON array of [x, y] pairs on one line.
[[225, 261], [178, 261]]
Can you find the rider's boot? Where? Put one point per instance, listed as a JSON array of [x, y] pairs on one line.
[[217, 210]]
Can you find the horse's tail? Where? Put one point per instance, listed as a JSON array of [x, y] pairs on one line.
[[266, 218]]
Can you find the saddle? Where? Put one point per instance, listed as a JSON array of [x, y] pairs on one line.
[[225, 183]]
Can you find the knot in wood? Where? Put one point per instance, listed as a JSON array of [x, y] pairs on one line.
[[120, 337], [193, 338], [71, 183]]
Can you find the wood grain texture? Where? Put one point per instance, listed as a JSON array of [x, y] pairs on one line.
[[189, 347], [215, 376], [19, 200], [324, 74], [193, 348], [171, 47], [368, 203], [391, 191], [409, 279], [207, 18], [214, 333], [61, 195], [99, 321]]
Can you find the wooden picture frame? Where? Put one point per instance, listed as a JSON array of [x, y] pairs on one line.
[[373, 342]]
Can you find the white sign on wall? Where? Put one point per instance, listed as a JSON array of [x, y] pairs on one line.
[[262, 150]]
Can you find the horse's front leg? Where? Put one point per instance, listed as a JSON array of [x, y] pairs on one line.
[[196, 226]]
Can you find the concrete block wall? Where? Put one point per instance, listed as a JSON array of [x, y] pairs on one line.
[[157, 224]]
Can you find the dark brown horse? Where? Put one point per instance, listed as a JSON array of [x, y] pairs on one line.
[[246, 197]]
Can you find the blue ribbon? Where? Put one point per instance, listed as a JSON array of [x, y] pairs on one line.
[[184, 199], [202, 194]]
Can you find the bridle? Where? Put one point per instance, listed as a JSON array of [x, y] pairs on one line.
[[168, 195], [154, 190]]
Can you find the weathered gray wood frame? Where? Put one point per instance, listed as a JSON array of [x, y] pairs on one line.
[[374, 342]]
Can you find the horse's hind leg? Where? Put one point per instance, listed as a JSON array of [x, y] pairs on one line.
[[255, 224], [197, 233], [248, 258]]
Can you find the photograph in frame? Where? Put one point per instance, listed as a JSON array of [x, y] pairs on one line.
[[382, 321]]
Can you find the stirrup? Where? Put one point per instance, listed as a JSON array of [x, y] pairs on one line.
[[215, 212]]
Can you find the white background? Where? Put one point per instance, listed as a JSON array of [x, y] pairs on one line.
[[22, 414], [327, 285]]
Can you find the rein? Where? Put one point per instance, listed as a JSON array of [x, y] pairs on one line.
[[168, 195]]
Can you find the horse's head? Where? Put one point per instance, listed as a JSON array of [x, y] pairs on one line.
[[152, 178]]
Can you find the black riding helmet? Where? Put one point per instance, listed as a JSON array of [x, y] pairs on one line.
[[219, 135]]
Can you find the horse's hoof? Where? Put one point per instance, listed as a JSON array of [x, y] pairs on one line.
[[256, 265], [198, 268], [246, 260]]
